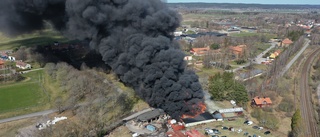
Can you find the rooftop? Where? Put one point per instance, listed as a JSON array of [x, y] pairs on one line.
[[260, 100], [201, 117], [230, 110], [287, 41], [150, 115]]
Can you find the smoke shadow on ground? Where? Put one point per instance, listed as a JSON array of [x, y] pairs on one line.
[[73, 56], [31, 42]]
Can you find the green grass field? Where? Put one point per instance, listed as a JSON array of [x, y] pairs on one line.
[[19, 96], [22, 95], [44, 37]]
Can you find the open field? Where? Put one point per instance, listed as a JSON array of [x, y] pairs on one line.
[[43, 37], [22, 97], [261, 47], [246, 34], [10, 129], [19, 96], [208, 72], [237, 124]]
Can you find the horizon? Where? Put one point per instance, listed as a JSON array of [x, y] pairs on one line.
[[270, 2]]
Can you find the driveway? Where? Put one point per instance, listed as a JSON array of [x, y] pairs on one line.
[[259, 59]]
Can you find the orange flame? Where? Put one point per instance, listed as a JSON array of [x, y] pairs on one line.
[[199, 109]]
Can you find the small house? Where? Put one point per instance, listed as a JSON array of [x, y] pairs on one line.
[[1, 64], [286, 42], [261, 102], [23, 65], [237, 51], [200, 51]]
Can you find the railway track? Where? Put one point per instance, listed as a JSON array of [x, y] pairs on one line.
[[307, 111]]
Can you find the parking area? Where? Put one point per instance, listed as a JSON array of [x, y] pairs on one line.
[[234, 128]]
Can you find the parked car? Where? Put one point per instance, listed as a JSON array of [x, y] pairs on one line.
[[255, 127], [206, 129], [209, 132], [214, 136], [248, 122], [225, 128], [267, 132], [231, 119], [245, 133], [216, 131]]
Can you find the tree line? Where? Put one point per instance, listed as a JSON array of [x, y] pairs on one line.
[[94, 100], [225, 87]]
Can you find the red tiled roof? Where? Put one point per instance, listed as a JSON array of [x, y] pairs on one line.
[[200, 51], [194, 133], [1, 62], [20, 63], [237, 49], [287, 41], [259, 100], [175, 134], [4, 54]]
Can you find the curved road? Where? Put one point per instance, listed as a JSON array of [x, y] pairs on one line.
[[46, 112], [307, 111]]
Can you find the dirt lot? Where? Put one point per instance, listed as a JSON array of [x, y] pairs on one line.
[[9, 129]]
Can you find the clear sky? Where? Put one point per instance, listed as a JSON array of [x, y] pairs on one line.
[[310, 2]]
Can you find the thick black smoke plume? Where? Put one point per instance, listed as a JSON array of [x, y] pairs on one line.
[[133, 36]]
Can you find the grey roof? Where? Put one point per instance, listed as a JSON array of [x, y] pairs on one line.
[[150, 115], [202, 117]]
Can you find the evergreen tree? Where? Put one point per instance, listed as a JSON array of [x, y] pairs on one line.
[[225, 87]]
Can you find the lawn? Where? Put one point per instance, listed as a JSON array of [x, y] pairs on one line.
[[208, 72], [22, 95], [44, 37], [19, 96], [246, 34], [237, 124], [261, 47]]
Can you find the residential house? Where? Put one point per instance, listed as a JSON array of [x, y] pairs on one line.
[[200, 51], [286, 42], [231, 112], [275, 54], [23, 65], [237, 51], [261, 102], [1, 64], [4, 55]]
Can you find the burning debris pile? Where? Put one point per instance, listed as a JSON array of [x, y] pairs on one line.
[[134, 38]]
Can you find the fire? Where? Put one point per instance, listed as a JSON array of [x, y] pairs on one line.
[[198, 109]]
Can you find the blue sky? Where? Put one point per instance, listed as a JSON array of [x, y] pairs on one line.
[[310, 2]]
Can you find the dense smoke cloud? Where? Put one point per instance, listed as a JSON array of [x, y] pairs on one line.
[[134, 37]]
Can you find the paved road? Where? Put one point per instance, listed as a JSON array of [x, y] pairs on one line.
[[211, 106], [137, 114], [305, 45], [32, 70], [257, 59], [306, 106], [46, 112], [260, 58]]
